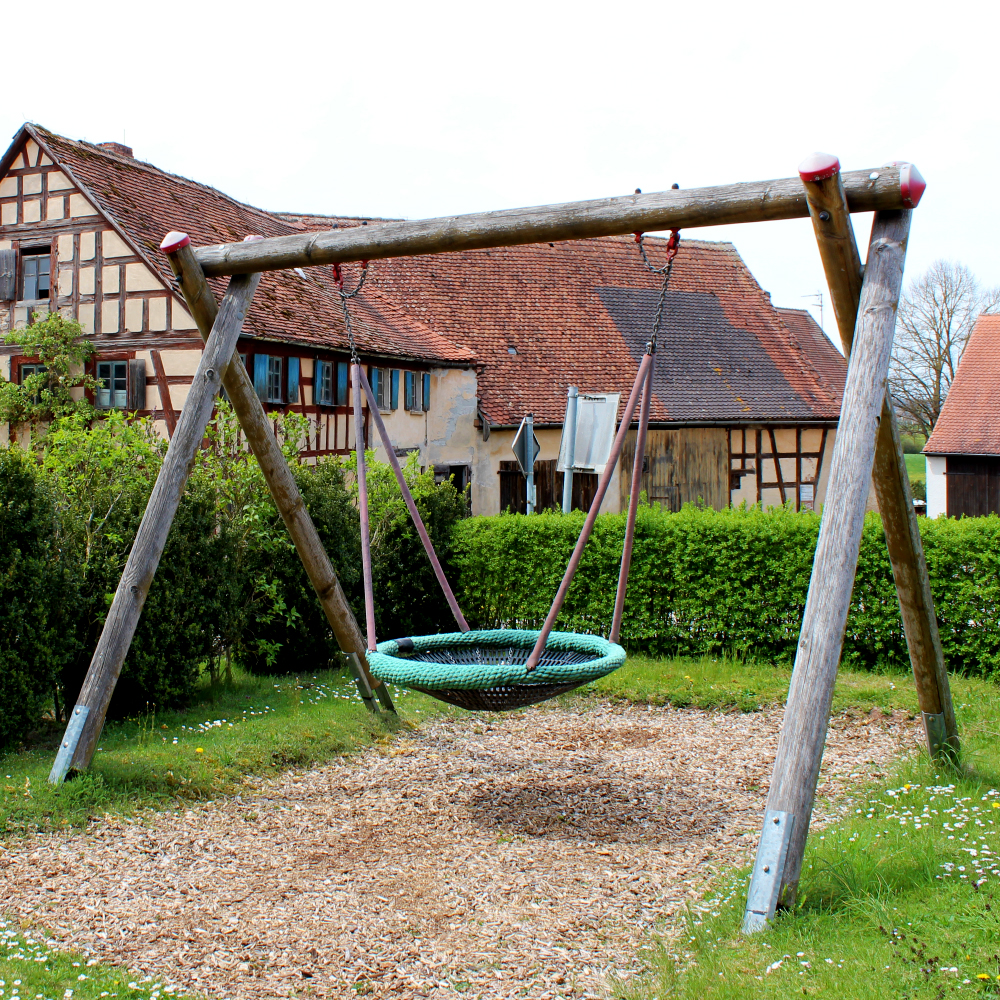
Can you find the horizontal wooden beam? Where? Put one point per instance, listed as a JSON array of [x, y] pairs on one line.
[[886, 188]]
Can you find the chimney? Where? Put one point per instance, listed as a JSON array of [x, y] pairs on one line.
[[118, 148]]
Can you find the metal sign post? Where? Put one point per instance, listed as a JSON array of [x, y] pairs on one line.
[[569, 429], [526, 449]]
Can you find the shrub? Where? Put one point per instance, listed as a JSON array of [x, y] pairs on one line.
[[408, 598], [284, 628], [61, 350], [102, 474], [34, 591]]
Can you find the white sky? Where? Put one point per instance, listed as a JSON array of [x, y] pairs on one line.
[[436, 108]]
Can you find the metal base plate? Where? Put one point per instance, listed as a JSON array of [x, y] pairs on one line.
[[768, 869]]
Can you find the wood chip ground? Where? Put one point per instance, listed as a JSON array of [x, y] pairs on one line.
[[531, 855]]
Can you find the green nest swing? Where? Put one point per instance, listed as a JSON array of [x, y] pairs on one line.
[[486, 671]]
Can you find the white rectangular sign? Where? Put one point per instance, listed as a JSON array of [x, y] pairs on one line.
[[596, 416]]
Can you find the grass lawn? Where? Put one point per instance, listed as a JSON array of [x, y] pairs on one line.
[[916, 467], [32, 969], [252, 726], [897, 900], [891, 904]]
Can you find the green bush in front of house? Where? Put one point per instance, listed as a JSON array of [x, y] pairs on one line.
[[101, 474], [733, 581], [35, 590]]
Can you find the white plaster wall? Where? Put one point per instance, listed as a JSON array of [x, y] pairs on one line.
[[937, 485], [486, 478], [444, 434]]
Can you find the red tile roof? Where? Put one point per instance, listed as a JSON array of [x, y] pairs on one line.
[[969, 423], [830, 364], [580, 313], [146, 202], [533, 318]]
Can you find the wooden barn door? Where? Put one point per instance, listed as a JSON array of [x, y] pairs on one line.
[[973, 485], [548, 488], [681, 466]]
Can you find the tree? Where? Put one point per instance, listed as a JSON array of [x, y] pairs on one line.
[[935, 320], [47, 393]]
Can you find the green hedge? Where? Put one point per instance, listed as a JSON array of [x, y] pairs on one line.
[[35, 638], [733, 581]]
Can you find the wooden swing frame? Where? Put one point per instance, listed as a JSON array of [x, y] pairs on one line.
[[867, 446]]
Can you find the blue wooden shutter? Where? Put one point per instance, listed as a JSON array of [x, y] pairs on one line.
[[394, 390], [425, 401], [373, 382], [260, 375], [293, 381], [408, 390], [342, 373]]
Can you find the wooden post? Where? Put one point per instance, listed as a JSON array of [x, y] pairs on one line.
[[140, 567], [163, 387], [803, 733], [842, 264], [761, 201], [260, 435]]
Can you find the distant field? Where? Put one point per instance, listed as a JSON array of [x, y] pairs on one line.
[[916, 466]]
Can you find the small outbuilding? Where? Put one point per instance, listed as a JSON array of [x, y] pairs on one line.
[[963, 451]]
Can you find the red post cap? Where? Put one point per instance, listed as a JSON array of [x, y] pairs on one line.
[[911, 185], [174, 241], [252, 239], [819, 166]]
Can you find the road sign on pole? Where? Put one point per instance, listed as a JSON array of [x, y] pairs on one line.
[[526, 449]]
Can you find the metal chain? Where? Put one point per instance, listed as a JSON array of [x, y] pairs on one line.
[[672, 244], [338, 274]]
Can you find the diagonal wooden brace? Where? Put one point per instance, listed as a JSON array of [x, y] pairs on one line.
[[260, 435], [79, 743], [827, 201], [810, 695]]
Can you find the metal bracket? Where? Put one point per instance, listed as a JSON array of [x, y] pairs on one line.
[[937, 735], [68, 746], [768, 869]]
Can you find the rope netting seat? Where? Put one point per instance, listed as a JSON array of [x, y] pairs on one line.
[[487, 670]]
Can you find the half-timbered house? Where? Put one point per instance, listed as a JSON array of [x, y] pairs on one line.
[[963, 451], [459, 346], [80, 227]]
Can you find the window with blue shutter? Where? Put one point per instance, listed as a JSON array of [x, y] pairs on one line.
[[260, 375], [36, 268], [323, 383], [373, 380], [342, 382], [112, 385], [275, 379], [384, 388], [409, 401], [394, 391], [425, 398], [293, 380]]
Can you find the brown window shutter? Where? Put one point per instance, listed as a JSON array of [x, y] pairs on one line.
[[136, 389], [8, 275]]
